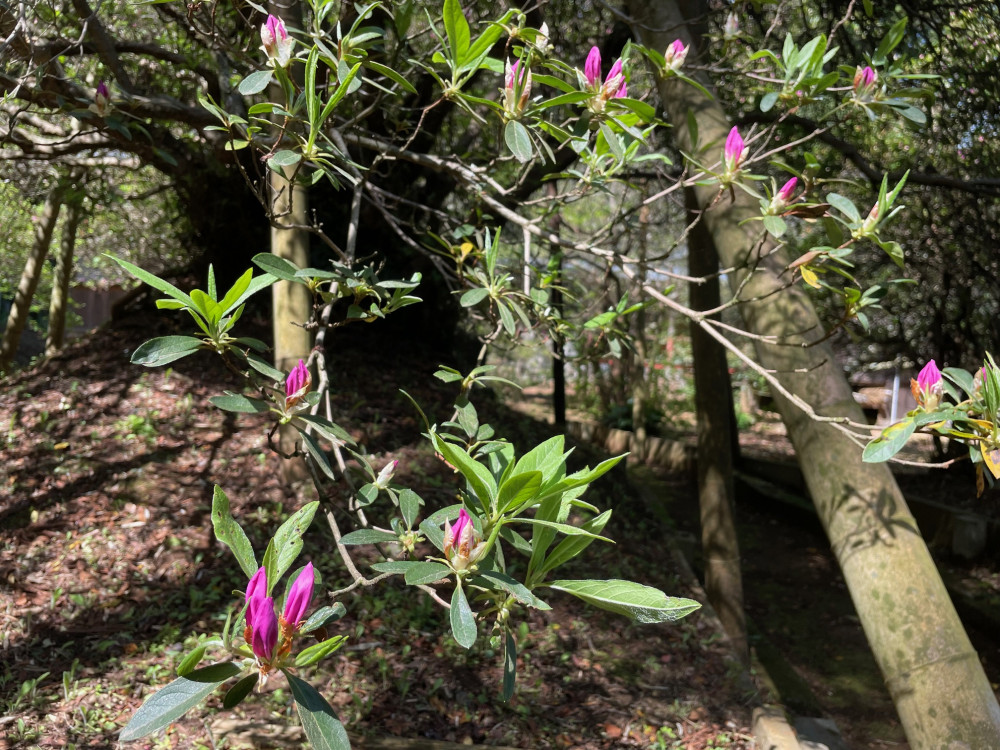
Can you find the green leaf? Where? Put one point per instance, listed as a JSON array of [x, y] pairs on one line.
[[640, 603], [463, 622], [478, 476], [515, 135], [572, 546], [775, 226], [518, 490], [426, 572], [611, 139], [323, 729], [288, 540], [474, 297], [391, 74], [173, 701], [317, 454], [276, 266], [409, 506], [844, 205], [497, 580], [285, 158], [961, 378], [457, 29], [890, 442], [255, 82], [369, 536], [509, 665], [319, 651], [164, 349], [889, 42], [239, 403], [189, 662], [565, 528], [395, 566], [154, 281], [327, 429], [240, 690], [229, 302], [547, 457], [323, 616], [768, 101], [230, 533]]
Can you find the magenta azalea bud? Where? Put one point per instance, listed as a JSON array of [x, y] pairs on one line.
[[461, 541], [297, 384], [785, 194], [614, 85], [277, 45], [264, 626], [592, 67], [102, 100], [735, 152], [864, 79], [927, 388], [299, 597], [675, 55], [257, 585], [517, 87], [929, 377]]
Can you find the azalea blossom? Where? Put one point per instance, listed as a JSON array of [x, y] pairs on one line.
[[102, 100], [673, 58], [462, 545], [297, 385], [277, 45], [864, 80], [735, 152], [927, 388], [517, 87], [262, 627], [614, 86], [298, 600]]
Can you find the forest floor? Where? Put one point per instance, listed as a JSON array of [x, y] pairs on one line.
[[110, 574]]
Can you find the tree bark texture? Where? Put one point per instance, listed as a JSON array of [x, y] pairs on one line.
[[291, 303], [59, 302], [935, 678], [714, 405], [19, 311]]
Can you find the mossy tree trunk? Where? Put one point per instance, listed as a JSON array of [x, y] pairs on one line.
[[59, 302], [941, 693], [19, 311], [714, 405]]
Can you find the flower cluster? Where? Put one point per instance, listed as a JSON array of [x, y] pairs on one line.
[[269, 635], [614, 86], [277, 45]]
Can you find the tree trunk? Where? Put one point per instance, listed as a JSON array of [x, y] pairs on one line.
[[640, 360], [714, 405], [59, 303], [29, 277], [291, 303], [935, 678]]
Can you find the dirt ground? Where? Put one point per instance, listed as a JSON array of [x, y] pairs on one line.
[[109, 574]]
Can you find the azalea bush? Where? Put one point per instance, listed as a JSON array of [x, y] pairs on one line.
[[520, 517]]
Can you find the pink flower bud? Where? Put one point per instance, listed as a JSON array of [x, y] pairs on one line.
[[102, 100], [297, 384], [735, 152], [385, 476], [517, 87], [929, 377], [785, 194], [277, 45], [263, 624], [299, 597], [257, 585], [864, 80], [732, 26], [592, 67], [675, 55], [461, 541]]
